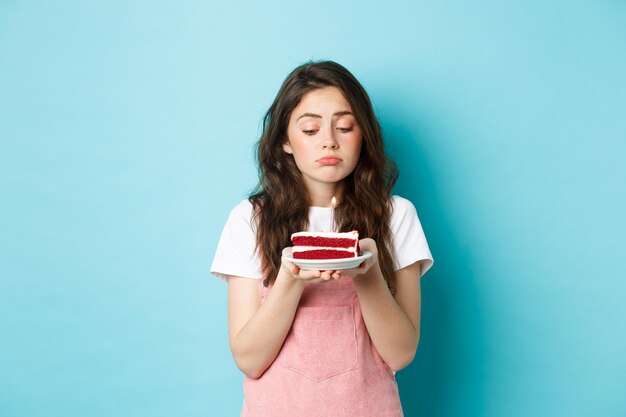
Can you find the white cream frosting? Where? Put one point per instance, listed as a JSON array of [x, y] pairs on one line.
[[336, 235], [312, 248]]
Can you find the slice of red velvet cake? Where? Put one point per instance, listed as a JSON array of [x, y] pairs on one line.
[[325, 245]]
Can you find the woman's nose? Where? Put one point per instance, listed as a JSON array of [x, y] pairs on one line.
[[330, 142]]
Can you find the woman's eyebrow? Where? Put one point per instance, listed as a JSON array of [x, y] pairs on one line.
[[339, 113]]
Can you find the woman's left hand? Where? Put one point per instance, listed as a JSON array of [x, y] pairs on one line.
[[368, 245]]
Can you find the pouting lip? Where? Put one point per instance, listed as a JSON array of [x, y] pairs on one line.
[[329, 160]]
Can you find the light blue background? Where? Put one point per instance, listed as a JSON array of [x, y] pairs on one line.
[[126, 134]]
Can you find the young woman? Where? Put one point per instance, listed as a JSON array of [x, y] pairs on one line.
[[322, 343]]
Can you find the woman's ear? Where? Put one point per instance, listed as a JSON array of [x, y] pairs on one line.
[[287, 147]]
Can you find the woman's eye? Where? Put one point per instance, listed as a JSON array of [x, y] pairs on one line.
[[344, 129], [309, 132]]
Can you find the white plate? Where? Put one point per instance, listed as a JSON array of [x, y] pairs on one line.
[[330, 264]]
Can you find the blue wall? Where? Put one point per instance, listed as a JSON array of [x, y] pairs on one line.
[[126, 133]]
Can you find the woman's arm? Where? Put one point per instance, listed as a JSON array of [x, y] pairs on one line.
[[257, 330], [393, 323]]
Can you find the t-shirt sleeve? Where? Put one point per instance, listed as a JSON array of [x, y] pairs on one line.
[[235, 254], [409, 241]]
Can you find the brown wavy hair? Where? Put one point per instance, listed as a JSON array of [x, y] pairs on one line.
[[280, 200]]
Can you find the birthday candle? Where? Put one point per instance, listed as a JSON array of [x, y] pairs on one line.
[[333, 203]]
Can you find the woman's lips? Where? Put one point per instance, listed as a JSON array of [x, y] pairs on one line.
[[329, 160]]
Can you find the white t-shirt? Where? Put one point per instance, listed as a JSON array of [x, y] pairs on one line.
[[235, 254]]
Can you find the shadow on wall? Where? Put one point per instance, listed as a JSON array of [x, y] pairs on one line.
[[447, 375]]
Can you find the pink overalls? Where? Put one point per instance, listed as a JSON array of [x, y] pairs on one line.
[[328, 366]]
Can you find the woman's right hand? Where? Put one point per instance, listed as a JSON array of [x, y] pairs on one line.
[[312, 276]]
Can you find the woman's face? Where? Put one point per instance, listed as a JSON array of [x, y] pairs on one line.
[[323, 136]]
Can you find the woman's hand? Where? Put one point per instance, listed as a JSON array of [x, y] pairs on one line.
[[368, 245], [312, 276]]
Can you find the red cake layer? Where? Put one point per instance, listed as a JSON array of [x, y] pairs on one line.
[[323, 254], [323, 242]]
